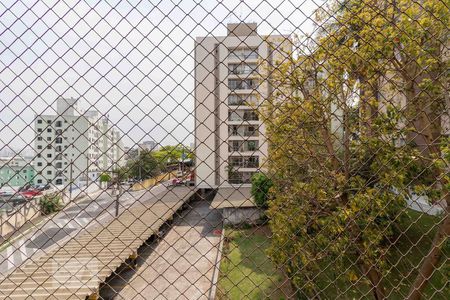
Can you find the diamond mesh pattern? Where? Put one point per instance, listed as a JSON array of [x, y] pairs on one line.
[[224, 149]]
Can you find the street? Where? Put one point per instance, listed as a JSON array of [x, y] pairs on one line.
[[73, 219]]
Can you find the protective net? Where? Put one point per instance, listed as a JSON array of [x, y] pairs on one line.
[[188, 149]]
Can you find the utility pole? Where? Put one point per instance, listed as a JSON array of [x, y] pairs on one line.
[[118, 196], [70, 180], [87, 172]]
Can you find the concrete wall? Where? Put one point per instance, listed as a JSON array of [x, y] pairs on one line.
[[244, 215], [14, 219]]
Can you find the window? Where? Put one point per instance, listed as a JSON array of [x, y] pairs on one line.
[[39, 181], [38, 155], [49, 121], [250, 116], [58, 124], [251, 145], [39, 164], [241, 69], [252, 162], [242, 54], [58, 140], [39, 147], [49, 146], [49, 172], [234, 146], [39, 121], [234, 116], [49, 130], [242, 84], [49, 155], [49, 138], [59, 181], [39, 138], [39, 129]]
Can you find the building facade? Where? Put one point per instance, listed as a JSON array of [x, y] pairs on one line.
[[230, 143], [16, 172], [73, 147]]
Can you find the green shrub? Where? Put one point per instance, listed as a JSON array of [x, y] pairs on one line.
[[105, 177], [50, 203], [260, 189]]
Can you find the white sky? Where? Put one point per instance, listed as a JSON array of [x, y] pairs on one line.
[[132, 60]]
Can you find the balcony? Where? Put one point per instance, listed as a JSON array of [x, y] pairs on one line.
[[242, 69], [243, 146], [243, 54], [236, 130], [241, 99], [243, 161], [243, 115], [240, 177], [242, 84]]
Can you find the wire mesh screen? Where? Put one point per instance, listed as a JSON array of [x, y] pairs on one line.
[[224, 149]]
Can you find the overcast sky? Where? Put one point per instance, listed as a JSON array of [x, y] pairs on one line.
[[131, 60]]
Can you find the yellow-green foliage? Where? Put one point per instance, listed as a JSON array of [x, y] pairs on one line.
[[339, 190]]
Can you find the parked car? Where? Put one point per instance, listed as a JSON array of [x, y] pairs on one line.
[[31, 193], [7, 192], [25, 187], [42, 187], [177, 181]]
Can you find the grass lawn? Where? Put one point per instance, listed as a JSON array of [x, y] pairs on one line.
[[245, 270], [247, 273]]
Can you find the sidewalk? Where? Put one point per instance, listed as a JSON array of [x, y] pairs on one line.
[[182, 264]]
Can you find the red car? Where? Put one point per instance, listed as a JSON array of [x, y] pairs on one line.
[[31, 193], [177, 181]]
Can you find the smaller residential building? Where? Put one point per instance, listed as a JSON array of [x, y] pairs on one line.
[[74, 147], [16, 172]]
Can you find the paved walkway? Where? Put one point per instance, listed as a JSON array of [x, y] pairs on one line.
[[182, 265], [75, 269]]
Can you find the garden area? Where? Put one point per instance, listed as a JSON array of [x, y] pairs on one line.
[[246, 271]]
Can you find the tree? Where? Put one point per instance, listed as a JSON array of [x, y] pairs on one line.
[[172, 154], [145, 166], [105, 177], [342, 165], [261, 185]]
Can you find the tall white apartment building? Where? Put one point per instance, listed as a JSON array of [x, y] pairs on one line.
[[75, 147], [230, 142]]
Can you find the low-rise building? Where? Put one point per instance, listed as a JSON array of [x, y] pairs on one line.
[[16, 172]]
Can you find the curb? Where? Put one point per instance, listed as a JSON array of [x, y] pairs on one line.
[[212, 291]]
